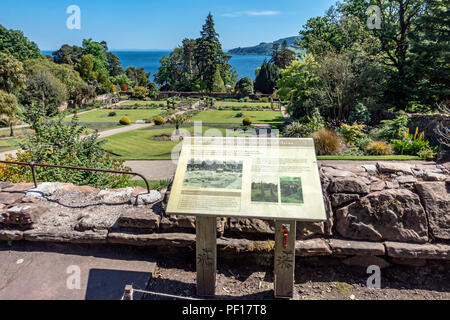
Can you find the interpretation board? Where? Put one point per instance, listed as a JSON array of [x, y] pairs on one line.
[[250, 177]]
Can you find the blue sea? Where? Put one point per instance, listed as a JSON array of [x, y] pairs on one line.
[[149, 60]]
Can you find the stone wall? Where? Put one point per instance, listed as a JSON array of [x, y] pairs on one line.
[[380, 213], [428, 123]]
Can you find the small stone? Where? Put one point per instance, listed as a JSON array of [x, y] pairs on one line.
[[371, 168], [147, 198], [312, 247], [8, 198], [349, 185], [394, 167], [338, 199], [377, 186], [139, 219], [23, 215], [358, 248], [406, 179], [392, 184], [417, 251], [337, 173], [45, 189]]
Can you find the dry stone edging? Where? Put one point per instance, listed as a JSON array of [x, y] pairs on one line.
[[378, 214]]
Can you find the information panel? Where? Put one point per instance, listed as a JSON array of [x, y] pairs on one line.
[[252, 177]]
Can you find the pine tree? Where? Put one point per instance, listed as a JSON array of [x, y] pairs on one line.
[[267, 77], [430, 55], [209, 54]]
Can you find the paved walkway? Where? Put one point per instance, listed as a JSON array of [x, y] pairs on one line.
[[33, 271]]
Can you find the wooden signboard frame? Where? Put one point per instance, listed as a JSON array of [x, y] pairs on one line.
[[268, 178]]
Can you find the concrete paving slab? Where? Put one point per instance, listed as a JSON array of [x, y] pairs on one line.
[[51, 271]]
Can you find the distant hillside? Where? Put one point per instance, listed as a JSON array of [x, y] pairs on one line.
[[265, 48]]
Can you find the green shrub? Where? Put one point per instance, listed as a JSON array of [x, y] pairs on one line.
[[427, 154], [125, 121], [363, 142], [390, 128], [247, 121], [58, 143], [379, 148], [239, 115], [265, 99], [359, 114], [407, 143], [159, 120], [327, 142], [352, 132], [296, 129], [112, 114]]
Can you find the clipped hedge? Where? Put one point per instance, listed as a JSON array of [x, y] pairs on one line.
[[125, 121]]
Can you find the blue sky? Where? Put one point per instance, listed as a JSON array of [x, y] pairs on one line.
[[158, 24]]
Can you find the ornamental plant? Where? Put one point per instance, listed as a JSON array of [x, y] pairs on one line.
[[353, 132], [247, 121], [159, 120], [125, 121], [407, 143]]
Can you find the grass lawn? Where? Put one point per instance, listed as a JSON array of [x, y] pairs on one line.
[[8, 143], [372, 158], [140, 145], [101, 115], [227, 116]]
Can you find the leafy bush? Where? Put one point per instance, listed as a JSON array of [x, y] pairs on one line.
[[265, 99], [359, 114], [410, 143], [352, 132], [327, 142], [239, 115], [247, 121], [379, 148], [125, 121], [140, 92], [427, 154], [296, 129], [244, 86], [58, 143], [159, 120], [112, 114], [390, 128], [305, 127], [363, 142]]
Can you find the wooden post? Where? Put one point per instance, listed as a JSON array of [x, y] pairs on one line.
[[206, 255], [284, 259]]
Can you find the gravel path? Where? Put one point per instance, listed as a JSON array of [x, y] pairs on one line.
[[238, 280]]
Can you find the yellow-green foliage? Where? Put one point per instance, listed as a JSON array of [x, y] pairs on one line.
[[125, 121], [327, 142], [352, 132], [247, 121], [379, 148], [159, 120]]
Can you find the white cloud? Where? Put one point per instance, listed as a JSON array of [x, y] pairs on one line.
[[251, 13], [262, 13]]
